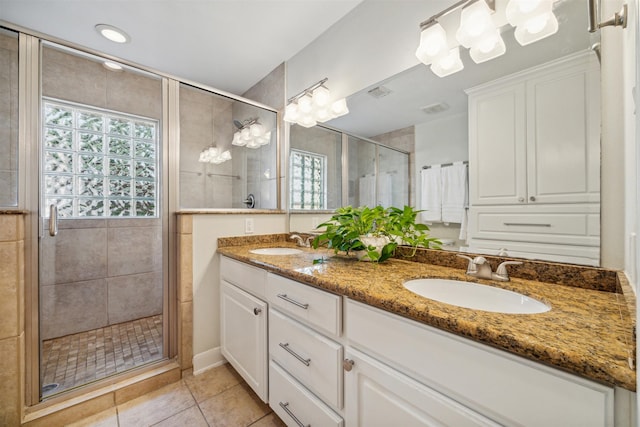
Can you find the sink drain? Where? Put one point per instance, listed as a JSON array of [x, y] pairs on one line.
[[49, 387]]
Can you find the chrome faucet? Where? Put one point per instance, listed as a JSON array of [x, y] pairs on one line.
[[304, 243], [479, 267]]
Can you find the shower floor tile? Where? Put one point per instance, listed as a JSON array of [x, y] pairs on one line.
[[81, 358]]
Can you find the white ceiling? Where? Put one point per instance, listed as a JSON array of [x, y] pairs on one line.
[[226, 44]]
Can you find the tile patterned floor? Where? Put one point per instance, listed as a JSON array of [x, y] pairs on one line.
[[88, 356], [218, 397]]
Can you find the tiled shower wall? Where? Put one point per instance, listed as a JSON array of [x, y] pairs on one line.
[[8, 120], [205, 120], [98, 272]]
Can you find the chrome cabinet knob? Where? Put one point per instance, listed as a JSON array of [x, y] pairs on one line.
[[521, 199], [532, 198], [347, 364], [257, 311]]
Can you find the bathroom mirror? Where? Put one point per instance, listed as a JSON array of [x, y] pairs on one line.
[[435, 110], [228, 153]]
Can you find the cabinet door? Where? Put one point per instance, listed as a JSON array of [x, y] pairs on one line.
[[497, 151], [563, 133], [243, 335], [376, 395]]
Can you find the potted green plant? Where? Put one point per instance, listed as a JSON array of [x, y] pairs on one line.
[[373, 234]]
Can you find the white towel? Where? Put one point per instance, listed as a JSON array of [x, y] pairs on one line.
[[385, 191], [454, 192], [367, 190], [431, 194]]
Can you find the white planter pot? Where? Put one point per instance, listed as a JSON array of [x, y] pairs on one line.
[[377, 242]]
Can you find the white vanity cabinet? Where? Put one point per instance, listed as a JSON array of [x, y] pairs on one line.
[[243, 322], [305, 370], [522, 196], [403, 370]]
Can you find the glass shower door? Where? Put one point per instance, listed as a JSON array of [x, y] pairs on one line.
[[102, 285]]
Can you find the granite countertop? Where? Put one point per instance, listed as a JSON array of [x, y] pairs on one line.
[[587, 332]]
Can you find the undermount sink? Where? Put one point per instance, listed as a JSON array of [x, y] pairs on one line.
[[476, 296], [276, 251]]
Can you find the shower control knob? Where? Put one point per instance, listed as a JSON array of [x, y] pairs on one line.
[[257, 311], [532, 198]]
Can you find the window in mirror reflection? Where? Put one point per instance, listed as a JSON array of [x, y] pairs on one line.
[[308, 173], [214, 173], [315, 168], [8, 115]]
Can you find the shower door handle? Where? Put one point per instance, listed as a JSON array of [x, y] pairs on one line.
[[53, 220]]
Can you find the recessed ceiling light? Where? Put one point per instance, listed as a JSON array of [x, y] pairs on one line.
[[112, 66], [112, 33]]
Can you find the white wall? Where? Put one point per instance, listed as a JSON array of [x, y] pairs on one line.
[[376, 40], [206, 282]]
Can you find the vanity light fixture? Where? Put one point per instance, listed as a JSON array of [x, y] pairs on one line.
[[251, 134], [112, 33], [313, 105], [214, 155], [533, 19]]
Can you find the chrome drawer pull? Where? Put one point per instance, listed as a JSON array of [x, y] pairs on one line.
[[294, 354], [288, 411], [53, 220], [527, 224], [294, 302]]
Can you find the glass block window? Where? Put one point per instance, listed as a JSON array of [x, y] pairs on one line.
[[308, 180], [99, 163]]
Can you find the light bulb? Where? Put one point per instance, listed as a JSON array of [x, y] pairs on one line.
[[489, 48], [291, 113], [475, 22], [237, 139], [519, 11], [339, 108], [449, 64], [537, 24], [256, 129], [226, 155], [323, 114], [529, 32], [321, 96], [305, 103], [245, 134], [307, 121], [433, 44], [112, 33]]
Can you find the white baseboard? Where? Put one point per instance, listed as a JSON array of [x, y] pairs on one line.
[[207, 360]]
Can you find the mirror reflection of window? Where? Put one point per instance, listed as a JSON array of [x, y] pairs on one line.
[[8, 113], [315, 168]]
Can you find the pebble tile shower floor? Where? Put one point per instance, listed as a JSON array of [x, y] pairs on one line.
[[80, 358]]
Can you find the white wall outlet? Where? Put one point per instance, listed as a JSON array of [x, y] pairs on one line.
[[248, 225]]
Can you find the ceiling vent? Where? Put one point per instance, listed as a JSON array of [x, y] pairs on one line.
[[435, 108], [380, 91]]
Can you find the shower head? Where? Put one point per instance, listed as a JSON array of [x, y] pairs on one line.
[[238, 124]]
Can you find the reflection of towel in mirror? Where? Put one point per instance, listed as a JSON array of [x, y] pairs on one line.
[[385, 192], [367, 190], [431, 194], [454, 192]]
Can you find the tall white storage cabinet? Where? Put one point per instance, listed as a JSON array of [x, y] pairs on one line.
[[534, 150]]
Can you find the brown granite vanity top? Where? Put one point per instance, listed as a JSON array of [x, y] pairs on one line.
[[587, 332]]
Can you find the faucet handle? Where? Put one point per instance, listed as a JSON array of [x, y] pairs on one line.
[[471, 267], [298, 239], [501, 271], [479, 260]]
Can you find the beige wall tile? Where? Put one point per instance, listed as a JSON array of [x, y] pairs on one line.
[[134, 93], [155, 406], [74, 307], [11, 228], [185, 224], [133, 250], [134, 296], [185, 317], [10, 382], [140, 388], [185, 263], [75, 413], [9, 288]]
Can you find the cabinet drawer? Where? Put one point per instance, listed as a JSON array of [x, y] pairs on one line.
[[509, 389], [294, 404], [251, 279], [320, 309], [311, 358]]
